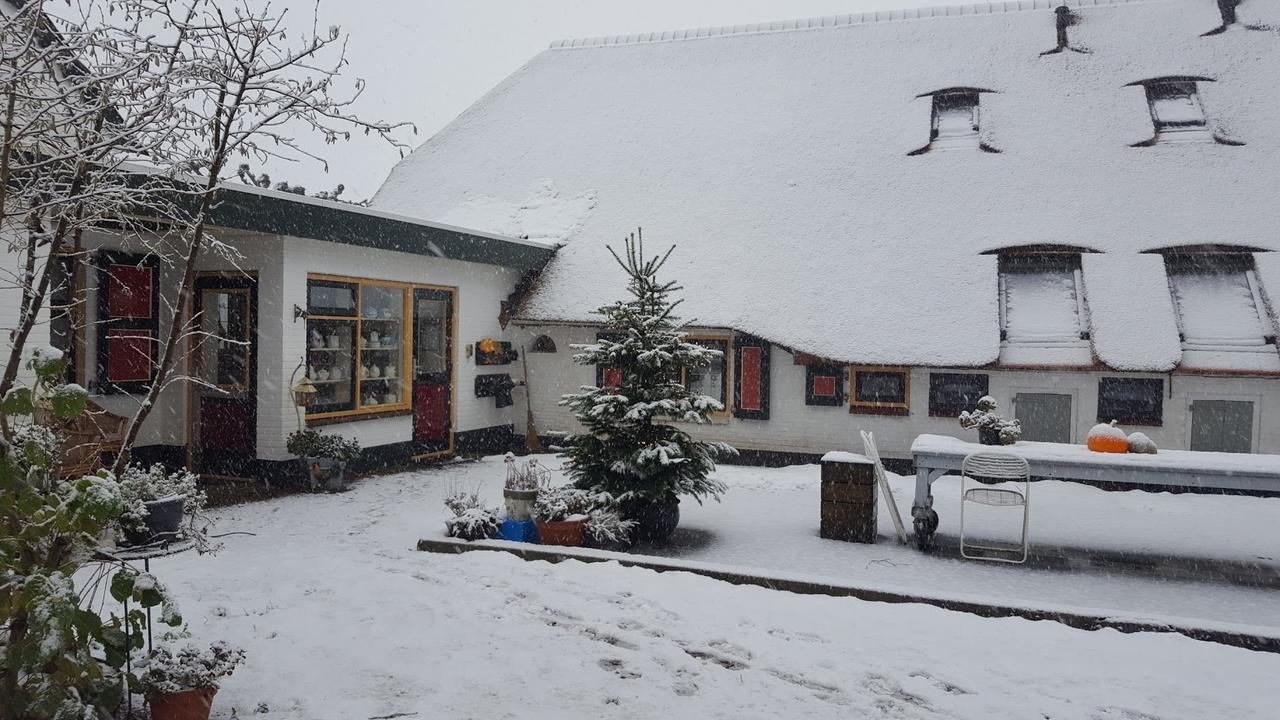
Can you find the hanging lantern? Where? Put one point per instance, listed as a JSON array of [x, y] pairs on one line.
[[304, 393]]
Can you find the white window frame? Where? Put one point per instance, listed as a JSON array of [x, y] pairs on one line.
[[967, 140], [1082, 311], [1191, 397], [1265, 325], [1172, 130]]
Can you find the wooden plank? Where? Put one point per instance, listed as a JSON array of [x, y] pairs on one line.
[[848, 493], [1081, 621]]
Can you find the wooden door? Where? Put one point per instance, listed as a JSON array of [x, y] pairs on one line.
[[432, 371], [224, 363]]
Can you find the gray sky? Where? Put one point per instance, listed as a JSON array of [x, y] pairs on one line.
[[426, 61]]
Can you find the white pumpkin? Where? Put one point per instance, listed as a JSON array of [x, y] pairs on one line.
[[1140, 443]]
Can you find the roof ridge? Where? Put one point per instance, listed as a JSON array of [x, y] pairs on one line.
[[829, 21]]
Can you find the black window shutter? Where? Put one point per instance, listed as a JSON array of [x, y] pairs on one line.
[[750, 378], [1131, 401], [824, 385], [953, 393]]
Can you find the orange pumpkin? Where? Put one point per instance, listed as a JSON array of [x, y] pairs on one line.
[[1108, 438]]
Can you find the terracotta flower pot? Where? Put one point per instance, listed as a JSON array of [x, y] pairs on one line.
[[186, 705], [561, 532]]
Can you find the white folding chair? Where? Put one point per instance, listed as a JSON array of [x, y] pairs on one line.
[[999, 467]]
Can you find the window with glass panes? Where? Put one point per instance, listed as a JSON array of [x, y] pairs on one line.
[[713, 380], [880, 390], [358, 344]]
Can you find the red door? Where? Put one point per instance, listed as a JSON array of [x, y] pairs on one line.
[[432, 371]]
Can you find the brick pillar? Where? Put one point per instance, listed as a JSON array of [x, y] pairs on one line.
[[849, 497]]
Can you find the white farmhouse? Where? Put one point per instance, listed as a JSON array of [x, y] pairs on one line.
[[881, 217]]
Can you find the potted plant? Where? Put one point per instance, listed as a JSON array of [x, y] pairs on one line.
[[470, 519], [324, 457], [180, 684], [561, 513], [992, 428], [636, 443], [521, 488], [155, 502]]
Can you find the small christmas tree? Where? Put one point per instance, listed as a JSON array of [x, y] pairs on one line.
[[627, 451]]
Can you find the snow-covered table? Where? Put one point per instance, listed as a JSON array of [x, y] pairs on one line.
[[938, 455]]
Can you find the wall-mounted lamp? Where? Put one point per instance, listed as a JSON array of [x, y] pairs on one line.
[[304, 393]]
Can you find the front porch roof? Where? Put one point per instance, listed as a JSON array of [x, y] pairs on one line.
[[244, 207]]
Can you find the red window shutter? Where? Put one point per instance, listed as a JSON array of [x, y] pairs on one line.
[[612, 378], [824, 385], [129, 292], [128, 356], [750, 378], [128, 320], [750, 395]]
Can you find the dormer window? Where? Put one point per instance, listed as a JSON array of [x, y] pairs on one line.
[[1043, 317], [1175, 106], [1176, 111], [1222, 319], [955, 119]]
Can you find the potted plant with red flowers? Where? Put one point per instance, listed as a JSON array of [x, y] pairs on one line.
[[179, 684]]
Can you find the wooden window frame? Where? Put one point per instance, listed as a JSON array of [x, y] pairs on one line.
[[251, 323], [1132, 418], [726, 381], [359, 412], [879, 408], [938, 409], [107, 326], [814, 371]]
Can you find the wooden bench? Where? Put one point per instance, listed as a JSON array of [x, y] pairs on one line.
[[86, 439]]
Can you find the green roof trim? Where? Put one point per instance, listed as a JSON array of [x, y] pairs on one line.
[[274, 212]]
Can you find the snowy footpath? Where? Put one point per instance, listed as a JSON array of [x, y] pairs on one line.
[[343, 619]]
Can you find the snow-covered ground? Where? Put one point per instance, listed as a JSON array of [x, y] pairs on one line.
[[343, 619]]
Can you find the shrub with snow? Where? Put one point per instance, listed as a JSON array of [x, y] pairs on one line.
[[985, 418], [470, 519], [606, 527], [167, 670], [310, 443], [562, 502], [139, 486]]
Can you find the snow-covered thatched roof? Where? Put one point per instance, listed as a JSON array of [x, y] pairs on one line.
[[776, 158]]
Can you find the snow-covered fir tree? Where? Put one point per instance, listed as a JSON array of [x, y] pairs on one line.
[[630, 450]]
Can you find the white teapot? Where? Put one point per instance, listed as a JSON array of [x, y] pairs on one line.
[[389, 371]]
